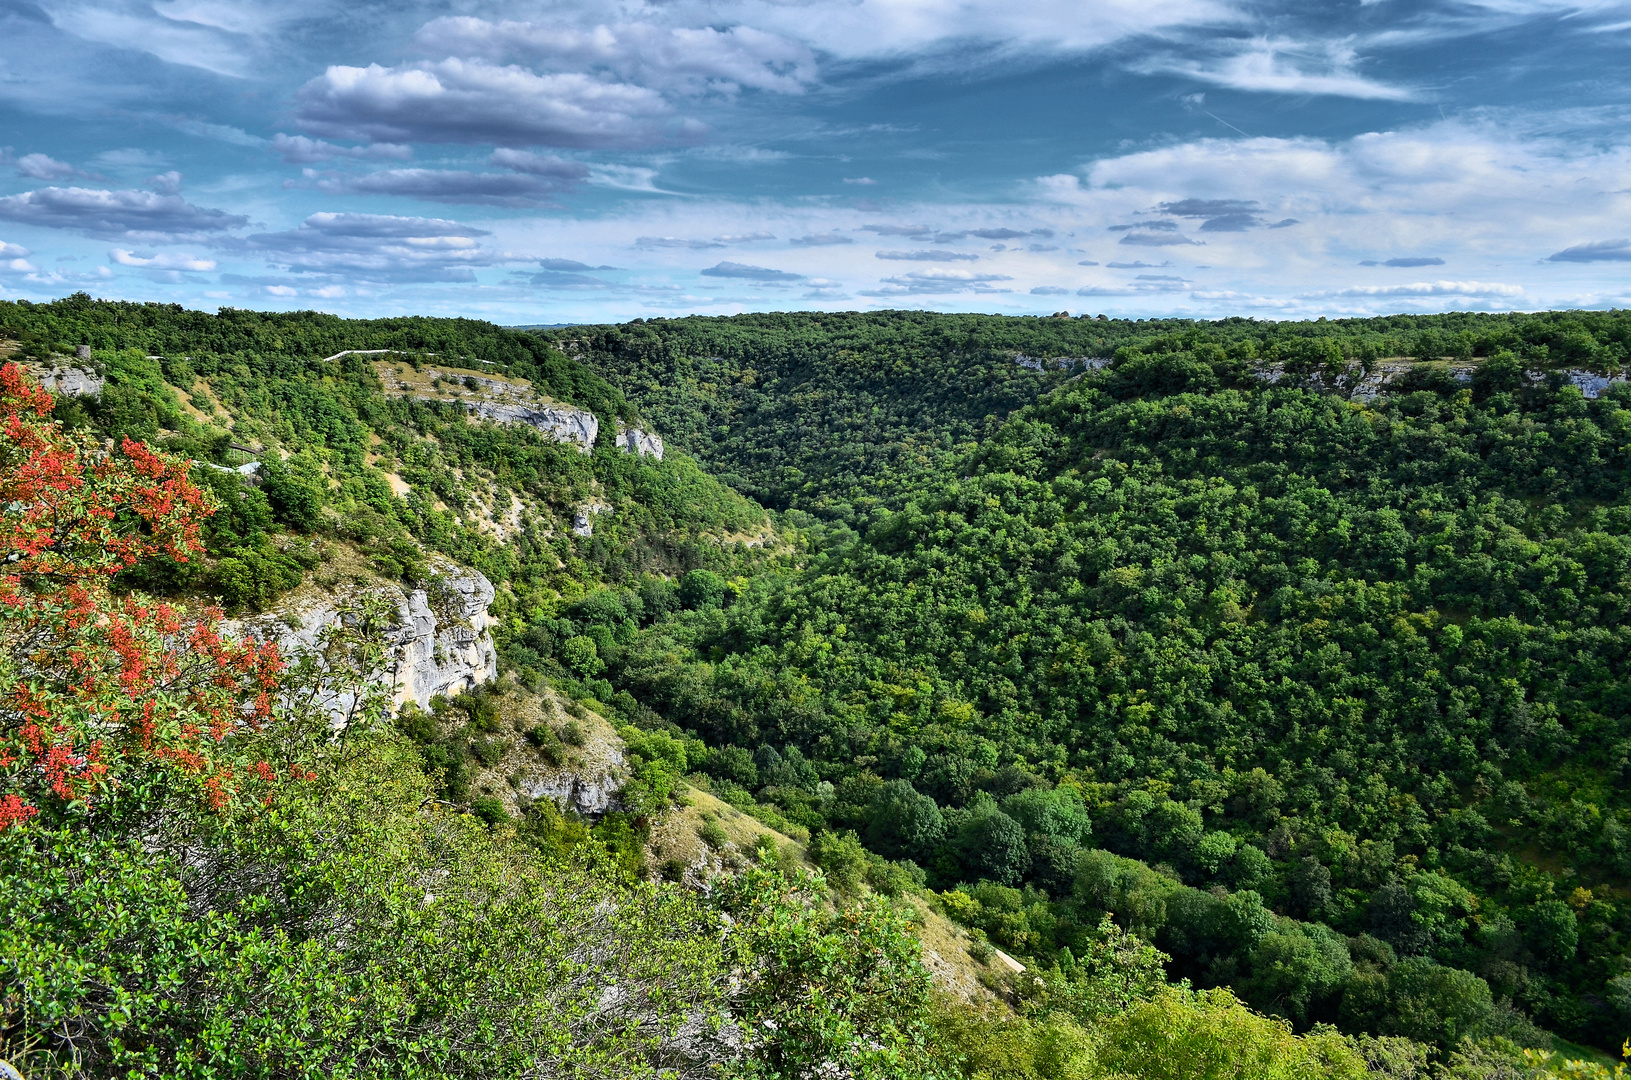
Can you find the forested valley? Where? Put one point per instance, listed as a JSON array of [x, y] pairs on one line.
[[1256, 687]]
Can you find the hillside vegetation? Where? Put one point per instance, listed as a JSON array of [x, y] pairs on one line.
[[1330, 691], [1271, 719]]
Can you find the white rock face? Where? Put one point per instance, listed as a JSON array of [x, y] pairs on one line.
[[583, 520], [439, 643], [562, 421], [73, 381], [639, 442], [1590, 383], [643, 443], [591, 796]]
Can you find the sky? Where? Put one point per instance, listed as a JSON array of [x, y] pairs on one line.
[[591, 160]]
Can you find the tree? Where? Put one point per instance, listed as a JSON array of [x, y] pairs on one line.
[[702, 589], [992, 845], [1296, 967], [903, 824], [1419, 999], [824, 992], [1057, 813], [109, 704], [1208, 1033]]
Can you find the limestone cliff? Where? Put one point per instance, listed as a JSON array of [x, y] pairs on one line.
[[565, 423], [438, 643], [637, 441]]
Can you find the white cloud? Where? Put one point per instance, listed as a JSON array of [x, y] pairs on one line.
[[165, 183], [13, 251], [174, 38], [1426, 288], [131, 215], [676, 242], [1281, 66], [872, 29], [938, 280], [42, 167], [299, 150], [473, 101], [377, 247], [691, 60], [927, 255], [163, 261], [750, 273], [1468, 193]]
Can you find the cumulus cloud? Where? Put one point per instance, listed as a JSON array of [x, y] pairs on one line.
[[750, 273], [822, 239], [299, 150], [42, 167], [165, 261], [165, 183], [678, 59], [142, 216], [744, 238], [1050, 290], [376, 247], [1601, 251], [473, 101], [928, 255]]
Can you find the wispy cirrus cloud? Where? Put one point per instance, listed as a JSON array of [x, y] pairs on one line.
[[1280, 66], [681, 59], [1598, 251]]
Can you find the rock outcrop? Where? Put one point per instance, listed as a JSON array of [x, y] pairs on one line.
[[590, 792], [440, 641], [66, 379], [562, 421], [643, 443]]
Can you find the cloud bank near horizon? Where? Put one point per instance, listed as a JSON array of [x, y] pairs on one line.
[[1188, 157]]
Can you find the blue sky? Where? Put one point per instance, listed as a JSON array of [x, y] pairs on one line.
[[588, 160]]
